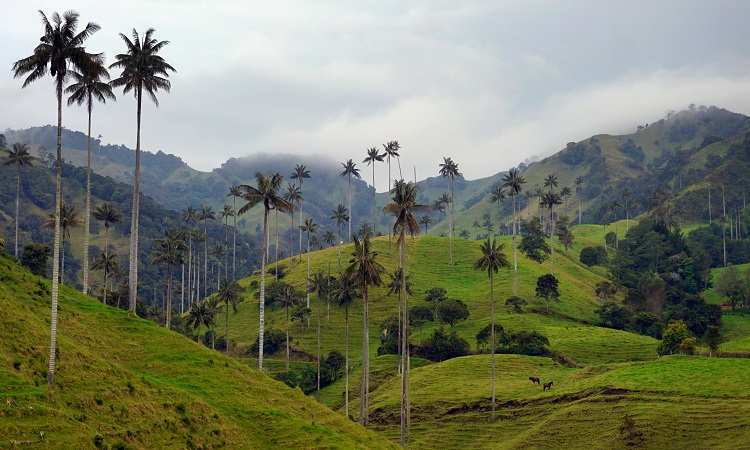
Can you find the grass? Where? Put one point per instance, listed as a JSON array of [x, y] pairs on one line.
[[135, 384]]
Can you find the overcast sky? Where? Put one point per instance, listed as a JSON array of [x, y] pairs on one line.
[[487, 83]]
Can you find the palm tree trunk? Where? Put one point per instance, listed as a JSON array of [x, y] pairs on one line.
[[318, 348], [262, 292], [404, 341], [133, 275], [351, 215], [88, 214], [374, 192], [205, 258], [308, 275], [18, 196], [169, 296], [515, 250], [287, 337], [492, 327], [56, 245], [104, 298], [277, 244], [363, 382], [328, 291], [346, 398], [450, 224], [291, 241], [234, 244], [299, 203], [551, 241], [182, 289], [389, 189]]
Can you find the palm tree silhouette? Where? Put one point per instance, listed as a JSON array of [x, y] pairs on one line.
[[265, 192], [350, 170], [449, 169], [18, 156], [234, 192], [142, 69], [169, 250], [60, 48], [514, 182], [373, 156], [345, 292], [300, 173], [497, 195]]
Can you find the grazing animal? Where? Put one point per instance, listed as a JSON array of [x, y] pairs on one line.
[[547, 386], [534, 380]]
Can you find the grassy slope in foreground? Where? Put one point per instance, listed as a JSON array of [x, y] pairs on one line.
[[675, 402], [130, 381]]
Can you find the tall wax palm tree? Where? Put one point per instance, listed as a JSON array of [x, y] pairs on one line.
[[309, 227], [287, 299], [142, 69], [89, 85], [565, 192], [350, 170], [514, 182], [60, 49], [234, 192], [106, 262], [425, 220], [449, 169], [229, 294], [613, 207], [293, 195], [373, 156], [493, 258], [320, 283], [365, 271], [391, 150], [345, 292], [206, 213], [169, 250], [190, 216], [403, 207], [341, 216], [18, 156], [299, 174], [68, 219], [329, 238], [549, 200], [497, 195], [217, 252], [394, 287], [550, 182], [108, 213], [225, 214], [626, 193], [200, 313], [578, 182], [198, 236], [265, 193]]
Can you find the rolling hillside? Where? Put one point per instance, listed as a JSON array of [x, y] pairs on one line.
[[127, 383]]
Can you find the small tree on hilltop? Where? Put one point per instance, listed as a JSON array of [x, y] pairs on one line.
[[534, 242], [514, 304], [452, 312], [546, 288], [674, 335]]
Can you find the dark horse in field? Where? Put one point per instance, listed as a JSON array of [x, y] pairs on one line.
[[547, 386], [534, 380]]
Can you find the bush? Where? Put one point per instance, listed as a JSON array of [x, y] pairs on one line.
[[273, 341], [35, 257], [593, 256], [418, 315], [485, 335], [525, 343], [648, 324], [220, 342], [442, 345], [614, 315], [514, 304], [675, 334]]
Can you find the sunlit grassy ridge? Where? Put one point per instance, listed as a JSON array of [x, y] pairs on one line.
[[135, 384]]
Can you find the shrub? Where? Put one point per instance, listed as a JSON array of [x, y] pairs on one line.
[[452, 312], [525, 343], [485, 335], [514, 304], [593, 256], [442, 345], [273, 341]]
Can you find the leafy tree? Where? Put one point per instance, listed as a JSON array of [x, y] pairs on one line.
[[515, 303], [59, 49], [525, 343], [435, 296], [350, 170], [733, 285], [614, 315], [648, 324], [419, 315], [713, 339], [265, 192], [673, 337], [142, 69], [593, 256], [88, 85], [449, 169], [546, 288], [452, 311], [564, 234], [442, 345], [533, 242], [34, 257], [492, 260], [605, 290], [19, 156]]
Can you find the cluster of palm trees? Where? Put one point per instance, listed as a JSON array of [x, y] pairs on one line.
[[62, 54]]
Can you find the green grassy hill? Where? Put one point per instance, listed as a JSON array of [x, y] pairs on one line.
[[127, 383]]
